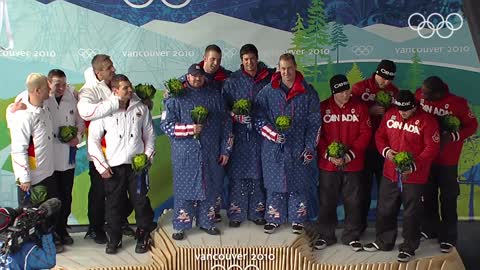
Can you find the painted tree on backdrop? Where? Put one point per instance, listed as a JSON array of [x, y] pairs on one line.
[[298, 43], [318, 40], [354, 75], [338, 38], [415, 73]]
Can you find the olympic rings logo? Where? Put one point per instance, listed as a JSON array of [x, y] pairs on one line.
[[229, 52], [362, 50], [87, 53], [427, 23], [165, 2], [235, 267]]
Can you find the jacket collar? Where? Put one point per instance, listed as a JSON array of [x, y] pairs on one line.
[[297, 88]]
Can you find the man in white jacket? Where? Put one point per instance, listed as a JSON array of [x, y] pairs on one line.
[[127, 132], [63, 108], [31, 136], [96, 101]]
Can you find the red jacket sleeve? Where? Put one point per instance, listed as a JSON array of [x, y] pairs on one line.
[[469, 123], [381, 136], [363, 140], [357, 89], [431, 140]]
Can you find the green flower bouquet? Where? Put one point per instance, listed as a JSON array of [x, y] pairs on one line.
[[383, 99], [199, 116], [450, 123], [337, 150], [283, 123], [403, 162], [139, 162], [67, 133], [174, 87], [145, 91], [243, 107]]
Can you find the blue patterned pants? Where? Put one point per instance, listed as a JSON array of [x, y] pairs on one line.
[[286, 207], [247, 200], [185, 210]]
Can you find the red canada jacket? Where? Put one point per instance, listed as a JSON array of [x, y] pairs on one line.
[[349, 125], [457, 106], [366, 91], [418, 135]]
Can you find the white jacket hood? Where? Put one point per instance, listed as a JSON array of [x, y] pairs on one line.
[[90, 77]]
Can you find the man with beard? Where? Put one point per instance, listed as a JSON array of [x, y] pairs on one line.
[[437, 100], [199, 152]]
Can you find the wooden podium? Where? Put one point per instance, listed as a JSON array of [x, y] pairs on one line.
[[249, 248]]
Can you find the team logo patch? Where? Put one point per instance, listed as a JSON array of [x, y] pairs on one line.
[[436, 137], [71, 111], [369, 124], [447, 105], [417, 122], [353, 110], [327, 111], [393, 117]]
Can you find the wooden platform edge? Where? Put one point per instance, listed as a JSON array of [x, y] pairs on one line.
[[166, 255]]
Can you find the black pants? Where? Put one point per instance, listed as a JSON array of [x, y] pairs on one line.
[[373, 168], [123, 180], [52, 192], [64, 181], [389, 202], [445, 179], [96, 199], [331, 185]]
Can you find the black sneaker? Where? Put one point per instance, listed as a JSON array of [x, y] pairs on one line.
[[356, 245], [67, 240], [127, 231], [371, 247], [211, 231], [90, 233], [260, 221], [446, 247], [180, 235], [320, 244], [404, 256], [112, 247], [297, 228], [218, 218], [270, 227], [144, 241], [100, 237], [234, 224]]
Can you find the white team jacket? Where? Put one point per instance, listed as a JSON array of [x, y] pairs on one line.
[[127, 133], [95, 100], [64, 114], [31, 125]]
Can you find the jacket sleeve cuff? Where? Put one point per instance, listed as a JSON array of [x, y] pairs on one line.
[[413, 167], [455, 136], [350, 154], [183, 130], [385, 151], [269, 133]]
